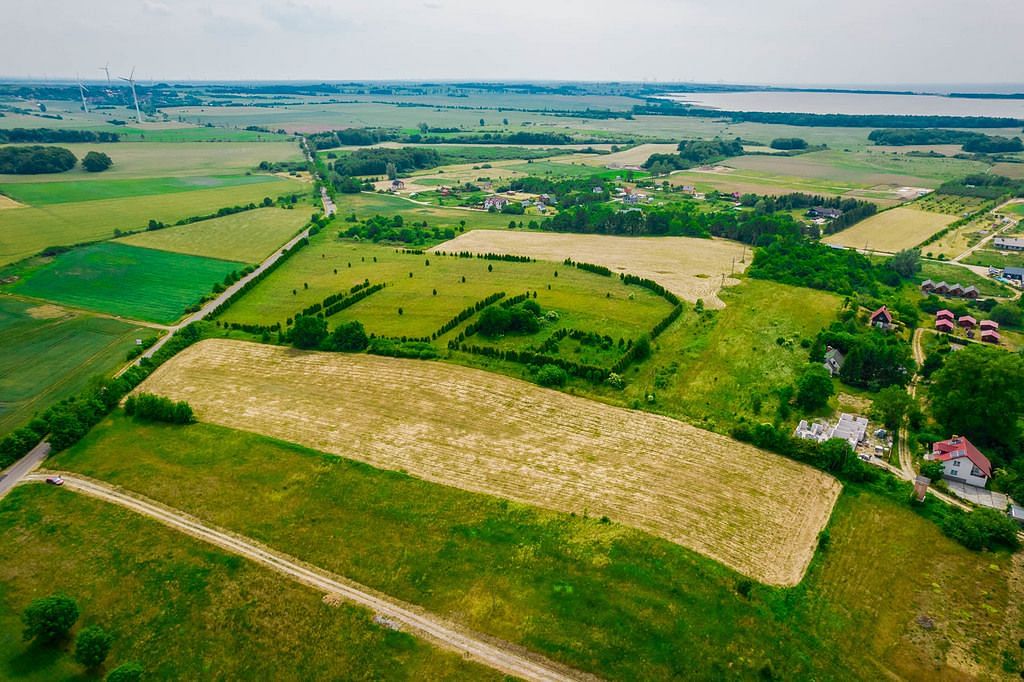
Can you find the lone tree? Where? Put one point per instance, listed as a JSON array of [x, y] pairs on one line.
[[96, 162], [814, 388], [126, 672], [50, 618], [92, 646], [308, 332], [890, 405], [349, 337], [906, 263]]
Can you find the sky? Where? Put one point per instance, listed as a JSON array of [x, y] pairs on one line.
[[734, 41]]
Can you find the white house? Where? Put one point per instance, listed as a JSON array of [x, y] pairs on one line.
[[961, 461], [834, 360]]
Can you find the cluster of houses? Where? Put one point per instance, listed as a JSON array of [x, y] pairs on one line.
[[955, 290], [946, 322], [498, 202]]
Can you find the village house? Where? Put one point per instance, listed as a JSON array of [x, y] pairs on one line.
[[834, 360], [849, 428], [822, 212], [495, 202], [927, 286], [944, 315], [945, 326], [967, 322], [1009, 243], [881, 318], [990, 336], [954, 290], [397, 185], [961, 461], [688, 189], [1016, 274], [989, 324], [598, 190], [970, 292]]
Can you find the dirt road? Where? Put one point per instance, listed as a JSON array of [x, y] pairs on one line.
[[493, 653]]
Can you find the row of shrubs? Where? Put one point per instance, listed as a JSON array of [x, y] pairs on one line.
[[507, 257], [589, 267], [332, 299], [158, 408], [466, 314], [591, 373], [651, 285]]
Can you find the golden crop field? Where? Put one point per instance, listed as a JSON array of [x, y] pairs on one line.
[[689, 267], [634, 156], [753, 511], [892, 230]]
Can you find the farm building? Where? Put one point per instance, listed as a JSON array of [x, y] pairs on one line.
[[397, 185], [1009, 243], [497, 203], [822, 212], [961, 461], [967, 322], [1016, 274], [881, 318], [834, 360]]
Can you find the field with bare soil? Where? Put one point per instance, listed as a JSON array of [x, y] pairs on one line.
[[755, 512], [689, 267]]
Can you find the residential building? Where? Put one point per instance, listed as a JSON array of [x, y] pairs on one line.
[[940, 288], [967, 322], [851, 429], [990, 336], [970, 292], [944, 315], [927, 286], [945, 326], [1009, 243], [961, 461], [397, 184], [881, 318], [954, 290], [1016, 274], [834, 360], [822, 212], [495, 202], [989, 324]]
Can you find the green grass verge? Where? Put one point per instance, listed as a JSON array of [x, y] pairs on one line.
[[48, 193], [939, 272], [598, 596], [181, 608], [48, 354], [143, 284], [248, 237]]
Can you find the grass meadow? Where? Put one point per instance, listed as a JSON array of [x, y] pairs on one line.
[[29, 230], [597, 596], [592, 302], [142, 284], [49, 353], [248, 237], [366, 205], [192, 607]]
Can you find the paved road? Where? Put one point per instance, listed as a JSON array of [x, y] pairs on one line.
[[493, 653], [24, 466]]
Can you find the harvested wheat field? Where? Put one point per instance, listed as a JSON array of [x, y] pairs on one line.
[[892, 230], [753, 511], [634, 156], [689, 267]]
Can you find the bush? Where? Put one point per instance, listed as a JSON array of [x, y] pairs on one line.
[[982, 529], [308, 332], [92, 646], [126, 672], [349, 338], [552, 375], [814, 388], [50, 618], [96, 162], [159, 408]]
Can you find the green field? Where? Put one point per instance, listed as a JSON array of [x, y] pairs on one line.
[[248, 237], [597, 596], [996, 259], [939, 272], [583, 299], [1015, 209], [156, 160], [716, 368], [142, 284], [27, 231], [47, 193], [48, 354], [181, 608]]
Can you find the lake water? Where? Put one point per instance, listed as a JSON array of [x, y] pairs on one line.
[[845, 103]]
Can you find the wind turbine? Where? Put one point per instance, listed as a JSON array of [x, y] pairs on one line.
[[131, 81], [82, 90], [106, 70]]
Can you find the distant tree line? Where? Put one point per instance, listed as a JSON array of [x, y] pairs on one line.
[[694, 153], [376, 161], [16, 135], [976, 143], [987, 186], [788, 143]]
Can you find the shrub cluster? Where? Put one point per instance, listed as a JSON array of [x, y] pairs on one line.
[[466, 314], [589, 267], [158, 408], [35, 159]]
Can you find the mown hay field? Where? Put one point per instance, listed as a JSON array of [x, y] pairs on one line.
[[47, 193], [689, 267], [755, 512], [892, 230], [248, 237]]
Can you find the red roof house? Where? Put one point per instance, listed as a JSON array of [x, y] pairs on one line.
[[882, 318], [988, 324], [944, 325], [961, 461], [967, 322], [944, 314], [990, 336]]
